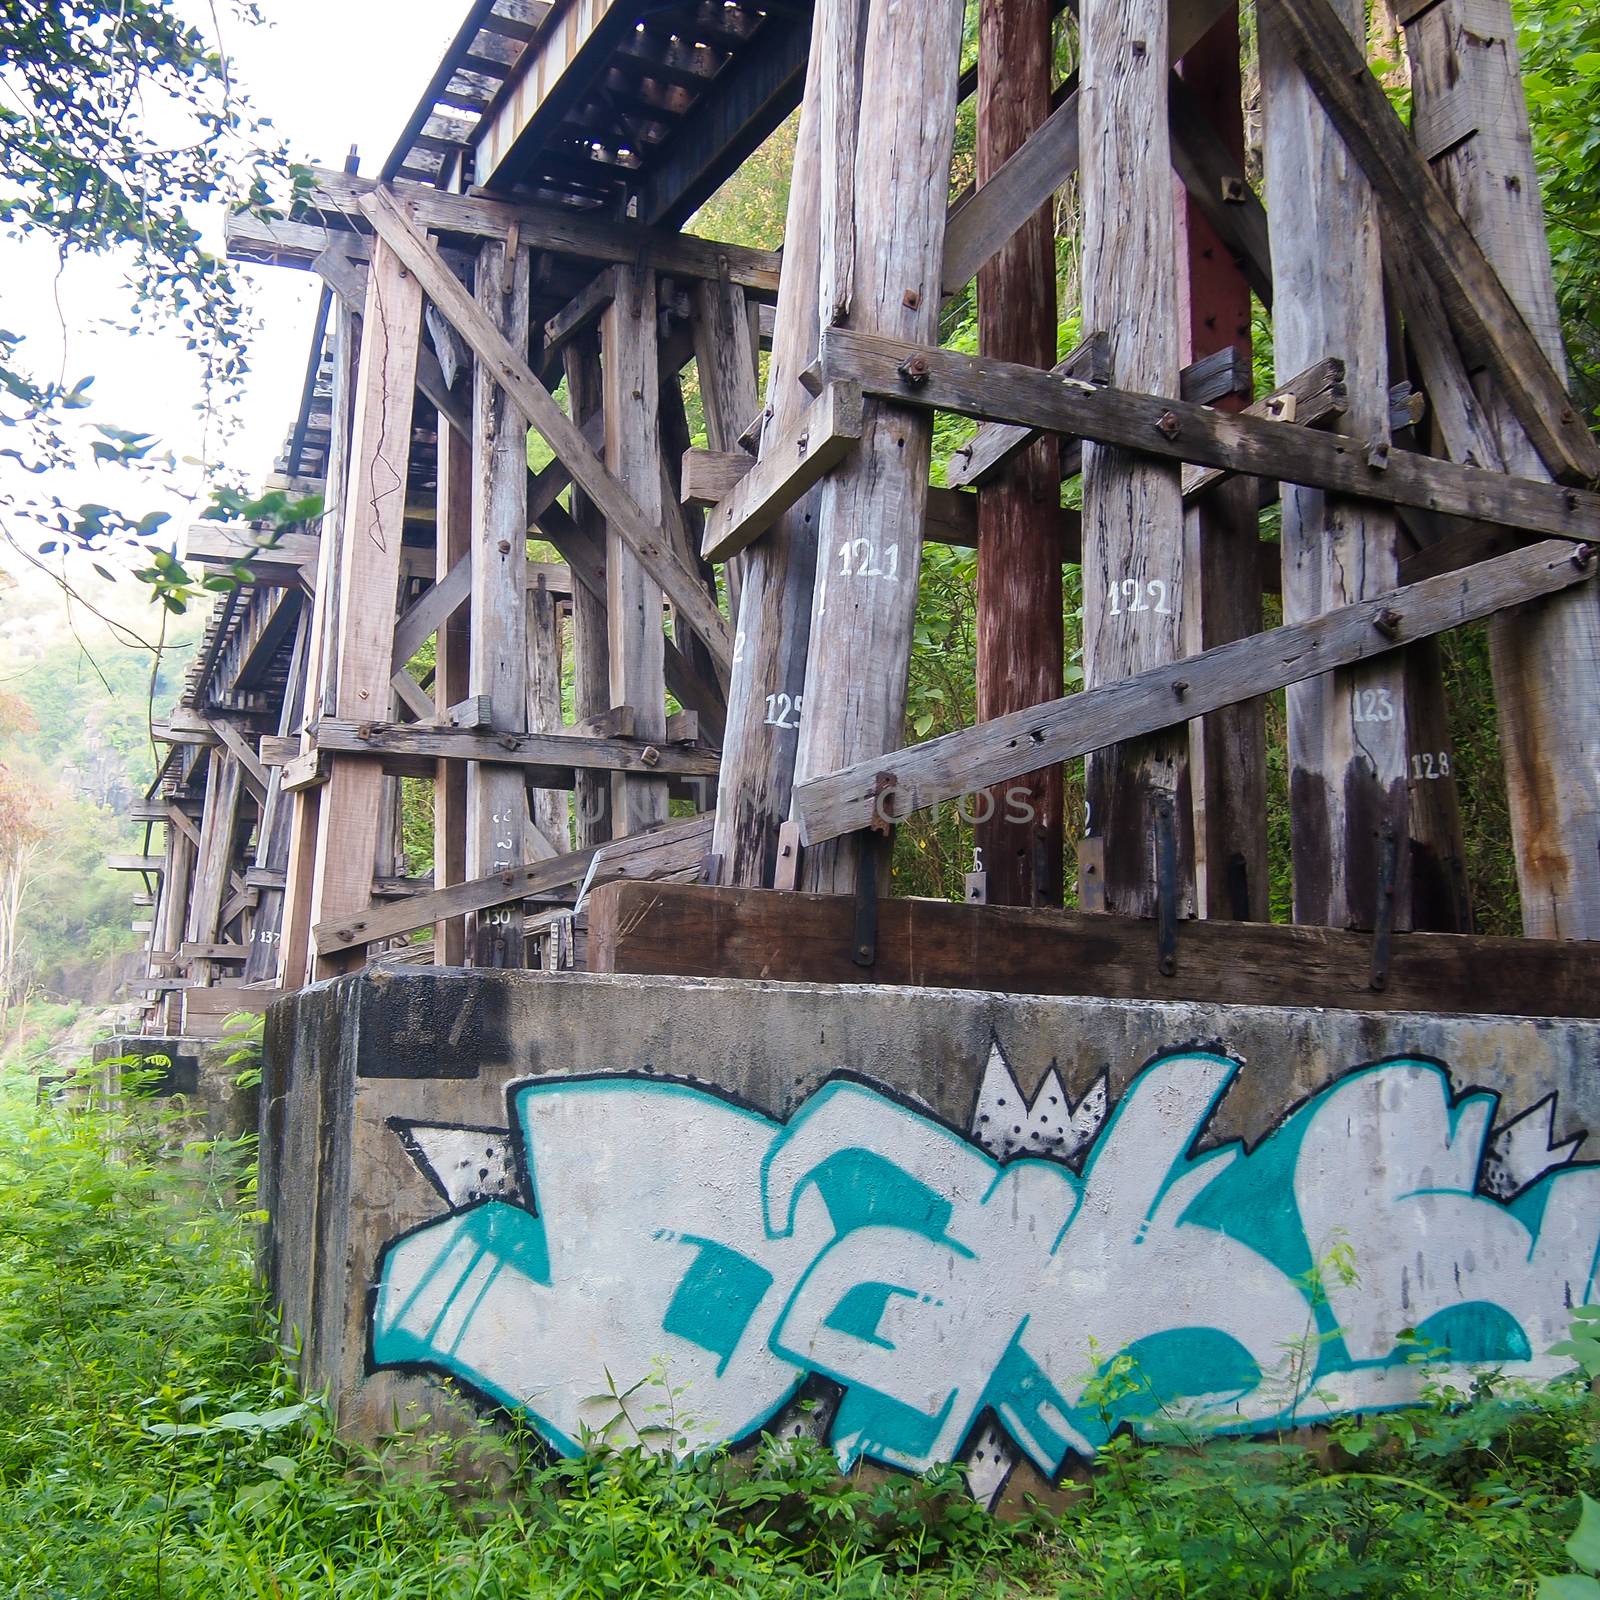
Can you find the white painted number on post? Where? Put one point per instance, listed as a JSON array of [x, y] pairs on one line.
[[1129, 595], [858, 559], [779, 708], [1429, 765], [1374, 705]]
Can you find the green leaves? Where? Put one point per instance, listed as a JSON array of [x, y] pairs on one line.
[[1583, 1342]]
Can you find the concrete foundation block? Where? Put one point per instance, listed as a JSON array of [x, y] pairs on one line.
[[194, 1075], [923, 1225]]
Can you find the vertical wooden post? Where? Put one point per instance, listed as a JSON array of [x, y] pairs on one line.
[[633, 603], [1019, 655], [497, 803], [272, 843], [1347, 730], [215, 855], [591, 651], [548, 806], [369, 575], [725, 359], [452, 543], [1471, 120], [294, 943], [773, 622], [1133, 588], [175, 885], [869, 547], [685, 525], [1228, 749]]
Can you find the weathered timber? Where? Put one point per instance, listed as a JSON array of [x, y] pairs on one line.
[[547, 807], [452, 555], [1019, 594], [630, 381], [1472, 125], [1419, 216], [692, 930], [369, 569], [774, 615], [214, 859], [995, 442], [1001, 391], [252, 772], [872, 507], [496, 801], [272, 559], [977, 758], [335, 197], [1228, 748], [727, 364], [1136, 793], [1347, 768], [591, 653], [623, 514], [672, 847], [1308, 400], [121, 861], [821, 436]]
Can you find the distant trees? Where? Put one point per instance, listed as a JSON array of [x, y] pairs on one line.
[[21, 840], [118, 123]]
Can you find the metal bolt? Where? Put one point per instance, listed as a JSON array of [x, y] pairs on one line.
[[1168, 425], [650, 756], [1180, 687], [1387, 622], [504, 547], [911, 299], [914, 369]]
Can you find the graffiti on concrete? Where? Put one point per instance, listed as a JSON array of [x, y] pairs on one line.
[[972, 1296]]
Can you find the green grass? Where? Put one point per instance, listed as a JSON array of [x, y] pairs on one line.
[[152, 1445]]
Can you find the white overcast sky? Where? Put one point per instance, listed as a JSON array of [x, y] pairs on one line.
[[329, 73]]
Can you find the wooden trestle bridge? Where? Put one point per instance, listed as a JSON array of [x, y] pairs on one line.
[[736, 621]]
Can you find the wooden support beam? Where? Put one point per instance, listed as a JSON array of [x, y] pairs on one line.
[[362, 650], [279, 560], [542, 755], [497, 667], [778, 571], [630, 378], [1000, 391], [337, 196], [452, 554], [591, 652], [1227, 749], [120, 861], [1019, 624], [672, 847], [431, 610], [694, 931], [213, 952], [881, 268], [1471, 123], [812, 444], [623, 514], [727, 365], [1137, 793], [980, 757], [179, 819], [252, 772], [214, 858], [1416, 210], [547, 807], [1348, 769]]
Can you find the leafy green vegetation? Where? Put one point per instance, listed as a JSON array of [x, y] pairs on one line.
[[154, 1448]]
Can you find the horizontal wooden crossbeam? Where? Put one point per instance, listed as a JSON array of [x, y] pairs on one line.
[[551, 758], [695, 931], [978, 758], [333, 208], [1003, 391], [656, 852]]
